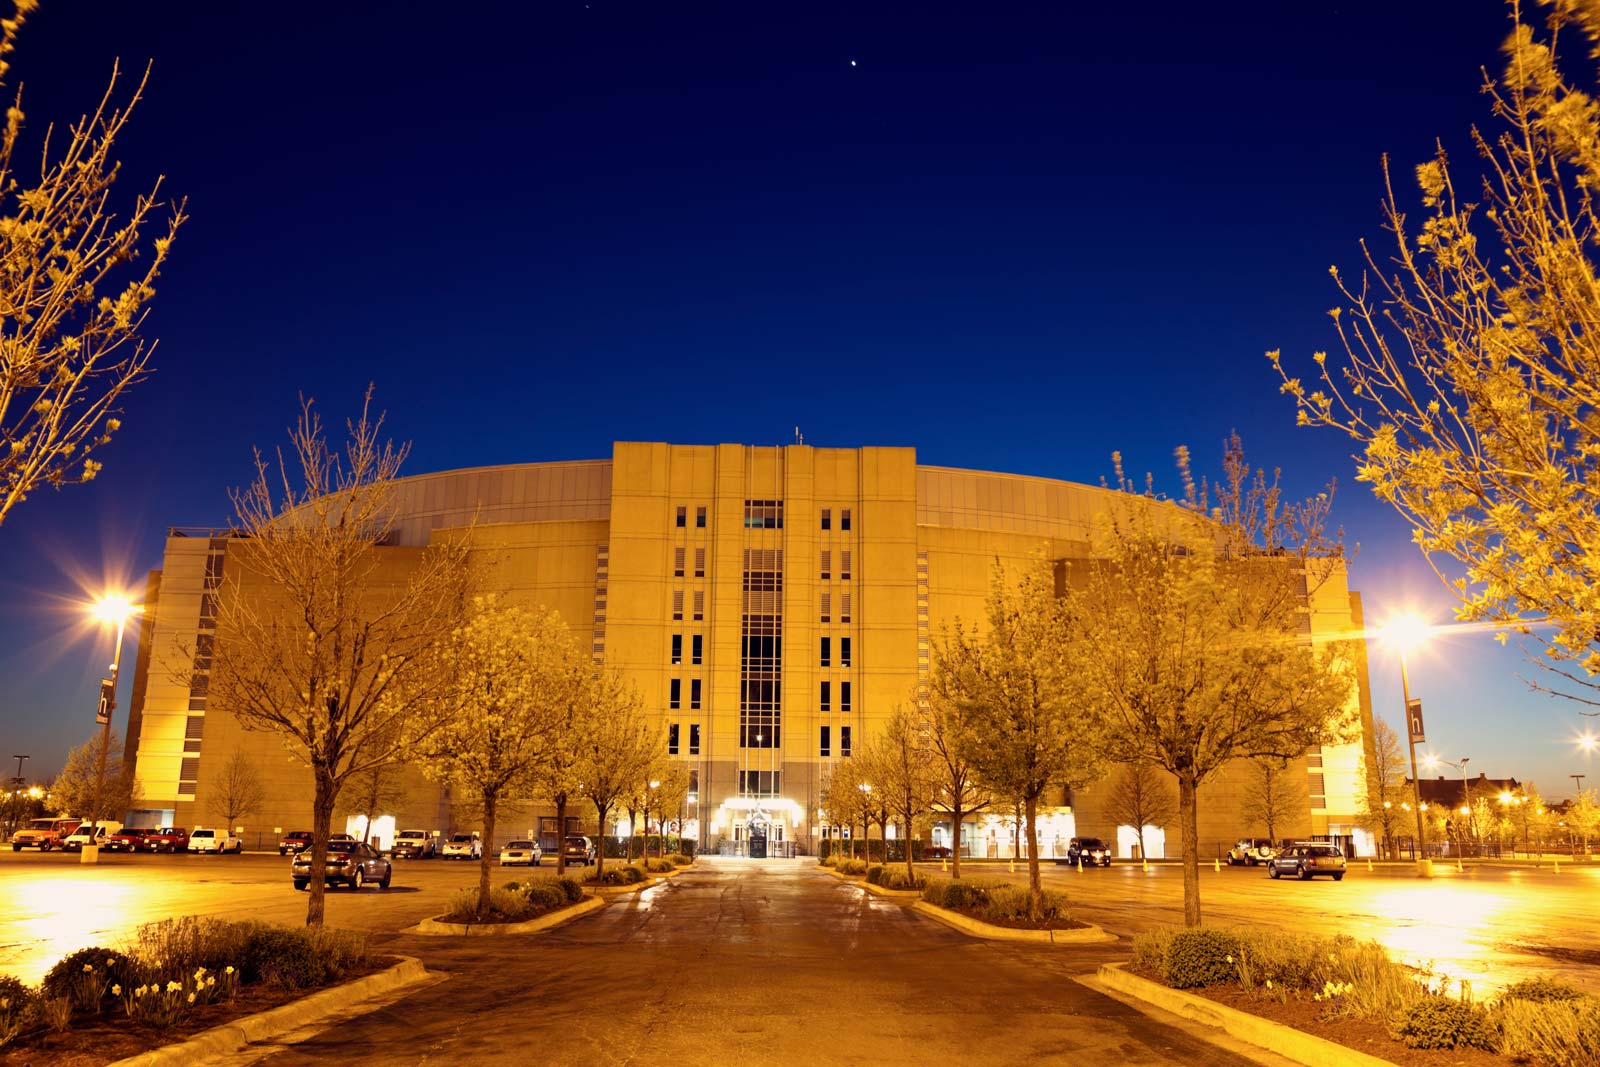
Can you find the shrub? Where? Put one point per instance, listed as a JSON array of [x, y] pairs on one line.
[[85, 977], [628, 874], [658, 865], [1380, 988], [1541, 990], [896, 878], [1202, 957], [1011, 904], [1150, 951], [283, 957], [175, 947], [56, 1012], [875, 874], [846, 865], [16, 1008], [955, 895], [1290, 961], [572, 888], [1560, 1032], [1443, 1022], [679, 859]]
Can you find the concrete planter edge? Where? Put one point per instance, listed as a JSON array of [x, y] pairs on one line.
[[435, 928], [1086, 935]]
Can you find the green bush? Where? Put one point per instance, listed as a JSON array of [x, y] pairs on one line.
[[283, 957], [16, 1008], [846, 865], [680, 859], [1290, 961], [896, 878], [175, 947], [627, 874], [1557, 1032], [957, 895], [1202, 957], [1150, 951], [1541, 990], [875, 874], [1010, 903], [659, 865], [86, 976], [1444, 1022], [572, 888]]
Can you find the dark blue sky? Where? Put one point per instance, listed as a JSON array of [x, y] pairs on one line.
[[1015, 236]]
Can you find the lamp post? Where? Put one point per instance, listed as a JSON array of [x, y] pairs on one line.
[[1466, 798], [1405, 634], [115, 609]]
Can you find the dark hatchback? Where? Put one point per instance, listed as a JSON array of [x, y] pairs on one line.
[[349, 863]]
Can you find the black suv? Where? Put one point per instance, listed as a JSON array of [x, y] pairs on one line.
[[1090, 851]]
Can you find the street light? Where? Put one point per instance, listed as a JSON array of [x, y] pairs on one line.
[[1406, 634], [1432, 761], [111, 608]]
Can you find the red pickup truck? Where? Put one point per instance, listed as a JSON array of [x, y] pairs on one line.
[[165, 839], [127, 839]]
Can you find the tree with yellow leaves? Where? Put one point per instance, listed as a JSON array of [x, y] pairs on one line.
[[72, 300], [1469, 369]]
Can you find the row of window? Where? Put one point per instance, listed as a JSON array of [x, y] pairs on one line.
[[675, 694], [827, 652], [826, 613], [696, 648], [825, 742], [825, 699], [673, 734], [699, 605], [844, 565], [761, 515], [678, 560]]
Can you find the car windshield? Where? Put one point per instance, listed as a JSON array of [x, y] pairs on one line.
[[1323, 850], [409, 834], [336, 846], [203, 833], [520, 844], [461, 838], [1091, 842]]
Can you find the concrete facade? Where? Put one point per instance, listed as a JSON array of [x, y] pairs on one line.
[[711, 576]]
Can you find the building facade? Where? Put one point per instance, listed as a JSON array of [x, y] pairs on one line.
[[772, 604]]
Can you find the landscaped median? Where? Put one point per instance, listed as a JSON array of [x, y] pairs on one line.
[[986, 908], [1340, 1002], [535, 904], [187, 988]]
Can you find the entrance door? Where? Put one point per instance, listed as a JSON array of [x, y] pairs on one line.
[[756, 835]]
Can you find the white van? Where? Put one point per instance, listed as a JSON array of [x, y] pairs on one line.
[[80, 837]]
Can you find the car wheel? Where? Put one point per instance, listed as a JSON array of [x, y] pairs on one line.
[[300, 884], [1305, 874], [1339, 877], [357, 880], [16, 848], [383, 883], [1272, 872]]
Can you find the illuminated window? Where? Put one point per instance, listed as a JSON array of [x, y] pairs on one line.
[[675, 699], [677, 648]]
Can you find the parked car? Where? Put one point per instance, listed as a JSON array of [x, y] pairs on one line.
[[43, 834], [413, 845], [218, 841], [935, 852], [85, 835], [579, 850], [1249, 851], [523, 852], [1307, 859], [294, 841], [463, 847], [127, 839], [340, 837], [166, 839], [1089, 851], [349, 862]]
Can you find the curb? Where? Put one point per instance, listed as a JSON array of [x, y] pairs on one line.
[[1085, 935], [1286, 1041], [435, 928], [880, 891], [324, 1005]]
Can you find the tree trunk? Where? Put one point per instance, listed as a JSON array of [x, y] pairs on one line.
[[1143, 855], [911, 871], [633, 829], [955, 839], [489, 804], [600, 848], [1035, 889], [1187, 820], [561, 834], [321, 822]]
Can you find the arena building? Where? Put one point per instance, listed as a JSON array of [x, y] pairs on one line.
[[772, 604]]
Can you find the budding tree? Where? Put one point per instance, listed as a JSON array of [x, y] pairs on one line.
[[956, 788], [615, 753], [1274, 795], [73, 294], [900, 763], [1467, 368], [317, 640], [1383, 793], [78, 788], [1138, 797], [236, 791], [1184, 634]]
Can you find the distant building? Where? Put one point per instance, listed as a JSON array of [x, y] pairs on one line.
[[1452, 792], [771, 604]]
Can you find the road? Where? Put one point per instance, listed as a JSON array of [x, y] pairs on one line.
[[753, 963]]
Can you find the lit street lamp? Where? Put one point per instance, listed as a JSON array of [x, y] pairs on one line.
[[1405, 634], [1432, 761], [117, 609]]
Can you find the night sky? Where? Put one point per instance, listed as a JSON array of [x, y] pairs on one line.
[[1017, 237]]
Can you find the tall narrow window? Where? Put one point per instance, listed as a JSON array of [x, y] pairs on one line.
[[694, 649], [677, 604], [677, 563], [827, 608], [699, 605], [827, 518], [672, 739], [677, 648], [824, 701], [844, 519], [844, 696], [675, 693], [699, 563], [827, 652], [694, 739], [823, 746], [844, 651], [827, 564], [700, 518], [694, 694], [844, 740], [683, 517], [844, 565]]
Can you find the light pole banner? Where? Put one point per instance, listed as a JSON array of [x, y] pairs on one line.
[[108, 701], [1414, 719]]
